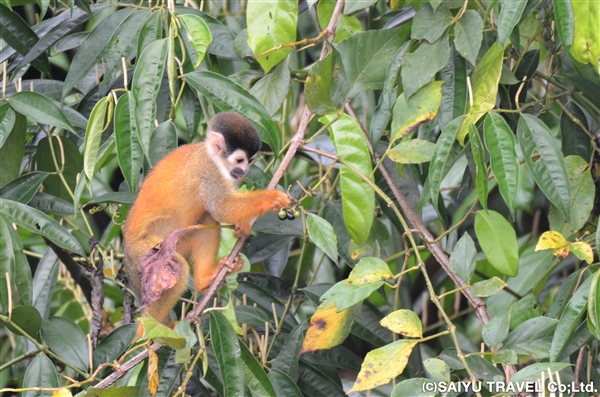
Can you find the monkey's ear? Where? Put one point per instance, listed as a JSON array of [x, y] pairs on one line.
[[216, 142]]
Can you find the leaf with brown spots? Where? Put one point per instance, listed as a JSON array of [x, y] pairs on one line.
[[554, 241], [368, 271], [152, 372], [404, 322], [383, 364], [328, 328], [583, 251]]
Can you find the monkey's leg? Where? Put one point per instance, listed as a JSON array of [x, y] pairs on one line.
[[203, 245]]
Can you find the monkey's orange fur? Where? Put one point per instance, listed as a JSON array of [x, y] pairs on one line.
[[185, 188]]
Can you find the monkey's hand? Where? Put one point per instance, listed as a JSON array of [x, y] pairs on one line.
[[232, 267], [280, 200], [242, 229]]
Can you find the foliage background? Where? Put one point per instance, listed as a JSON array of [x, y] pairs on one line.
[[430, 146]]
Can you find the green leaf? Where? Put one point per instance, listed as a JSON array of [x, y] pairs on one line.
[[161, 334], [356, 5], [113, 345], [441, 156], [437, 369], [322, 235], [463, 258], [67, 340], [121, 44], [198, 34], [255, 377], [40, 109], [549, 171], [93, 133], [227, 95], [326, 86], [468, 32], [287, 359], [564, 293], [574, 139], [500, 143], [40, 373], [481, 176], [485, 80], [344, 295], [44, 282], [164, 141], [420, 66], [533, 372], [369, 270], [358, 198], [418, 109], [582, 189], [346, 27], [151, 30], [26, 318], [283, 384], [92, 49], [24, 187], [7, 121], [129, 151], [532, 337], [498, 241], [366, 56], [270, 24], [509, 17], [228, 352], [495, 331], [454, 89], [273, 88], [19, 272], [404, 322], [563, 16], [570, 318], [415, 387], [524, 309], [18, 35], [586, 35], [430, 25], [146, 84], [489, 287], [414, 151], [594, 306], [39, 223]]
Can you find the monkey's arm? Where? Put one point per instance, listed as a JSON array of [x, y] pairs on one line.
[[238, 207]]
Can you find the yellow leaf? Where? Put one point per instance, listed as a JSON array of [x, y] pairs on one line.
[[152, 372], [561, 253], [551, 240], [368, 271], [62, 392], [383, 364], [328, 328], [583, 251], [404, 322]]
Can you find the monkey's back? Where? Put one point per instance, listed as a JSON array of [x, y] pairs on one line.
[[168, 198]]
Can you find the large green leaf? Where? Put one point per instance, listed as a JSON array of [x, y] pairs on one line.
[[270, 24], [574, 139], [322, 235], [146, 84], [594, 305], [421, 107], [468, 32], [498, 241], [454, 89], [326, 86], [20, 272], [164, 140], [347, 26], [549, 171], [563, 16], [509, 17], [441, 157], [92, 49], [114, 344], [129, 151], [463, 258], [273, 88], [255, 377], [73, 164], [429, 24], [24, 187], [420, 66], [358, 198], [586, 35], [227, 95], [93, 133], [67, 340], [570, 318], [39, 223], [500, 143], [7, 121], [40, 109], [481, 173], [366, 56], [198, 35], [40, 373], [228, 352]]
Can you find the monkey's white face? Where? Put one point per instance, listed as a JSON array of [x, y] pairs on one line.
[[234, 166]]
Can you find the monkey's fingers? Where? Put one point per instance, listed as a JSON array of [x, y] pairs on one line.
[[232, 267], [241, 229]]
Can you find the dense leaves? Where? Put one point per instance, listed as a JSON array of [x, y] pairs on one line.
[[443, 160]]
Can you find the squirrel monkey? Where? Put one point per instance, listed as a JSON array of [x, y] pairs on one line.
[[196, 184]]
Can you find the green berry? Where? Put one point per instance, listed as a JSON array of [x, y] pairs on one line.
[[282, 214], [296, 214]]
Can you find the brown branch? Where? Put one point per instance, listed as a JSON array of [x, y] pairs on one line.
[[97, 282], [297, 141]]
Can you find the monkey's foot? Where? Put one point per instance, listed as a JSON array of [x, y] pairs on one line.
[[241, 229], [232, 267]]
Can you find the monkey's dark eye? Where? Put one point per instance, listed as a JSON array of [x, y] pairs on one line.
[[240, 161]]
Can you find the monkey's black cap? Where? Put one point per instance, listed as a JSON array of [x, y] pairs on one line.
[[238, 132]]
